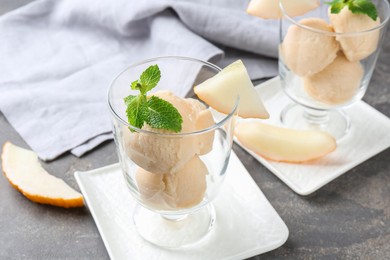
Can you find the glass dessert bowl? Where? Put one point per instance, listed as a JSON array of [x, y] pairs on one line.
[[326, 61], [173, 176]]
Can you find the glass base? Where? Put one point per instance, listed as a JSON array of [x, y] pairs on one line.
[[174, 231], [335, 122]]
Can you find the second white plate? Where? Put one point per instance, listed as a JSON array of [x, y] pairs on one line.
[[369, 136]]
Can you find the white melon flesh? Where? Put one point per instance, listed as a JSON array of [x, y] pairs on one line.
[[23, 170], [221, 91], [269, 9], [283, 144]]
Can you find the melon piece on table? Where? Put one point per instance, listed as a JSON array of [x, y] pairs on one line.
[[221, 91], [22, 169]]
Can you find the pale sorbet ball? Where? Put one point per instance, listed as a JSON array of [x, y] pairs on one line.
[[169, 154], [183, 189], [337, 83], [306, 52], [203, 119], [355, 47]]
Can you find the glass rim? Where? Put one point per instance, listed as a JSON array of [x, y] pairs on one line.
[[139, 130], [378, 27]]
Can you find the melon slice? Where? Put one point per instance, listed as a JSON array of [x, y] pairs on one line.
[[283, 144], [23, 170], [221, 92], [269, 9]]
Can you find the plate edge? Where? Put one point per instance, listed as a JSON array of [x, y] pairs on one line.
[[77, 175]]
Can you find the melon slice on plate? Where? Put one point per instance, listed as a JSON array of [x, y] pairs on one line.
[[221, 91], [22, 169], [284, 144], [269, 9]]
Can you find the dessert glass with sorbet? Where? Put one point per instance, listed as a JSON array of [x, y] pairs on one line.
[[173, 175], [326, 60]]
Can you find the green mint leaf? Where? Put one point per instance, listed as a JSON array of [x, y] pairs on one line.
[[336, 6], [128, 99], [355, 6], [150, 77], [363, 7], [137, 109], [135, 85], [163, 115], [156, 112]]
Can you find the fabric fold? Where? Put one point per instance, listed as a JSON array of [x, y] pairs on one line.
[[58, 58]]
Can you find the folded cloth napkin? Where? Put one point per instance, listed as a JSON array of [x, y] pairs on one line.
[[58, 57]]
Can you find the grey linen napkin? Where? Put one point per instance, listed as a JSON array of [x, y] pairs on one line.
[[57, 58]]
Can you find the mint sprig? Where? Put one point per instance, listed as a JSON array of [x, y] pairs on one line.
[[355, 6], [156, 112], [163, 115], [136, 110]]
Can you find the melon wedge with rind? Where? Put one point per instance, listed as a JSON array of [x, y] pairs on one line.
[[221, 91], [269, 9], [284, 144], [22, 169]]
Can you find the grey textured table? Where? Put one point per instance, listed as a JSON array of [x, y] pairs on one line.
[[347, 219]]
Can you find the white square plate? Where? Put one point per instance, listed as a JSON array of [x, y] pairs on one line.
[[369, 135], [246, 223]]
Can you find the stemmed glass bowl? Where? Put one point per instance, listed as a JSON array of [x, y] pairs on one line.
[[325, 64], [174, 177]]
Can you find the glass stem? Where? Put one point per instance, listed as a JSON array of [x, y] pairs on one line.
[[175, 217], [319, 118]]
